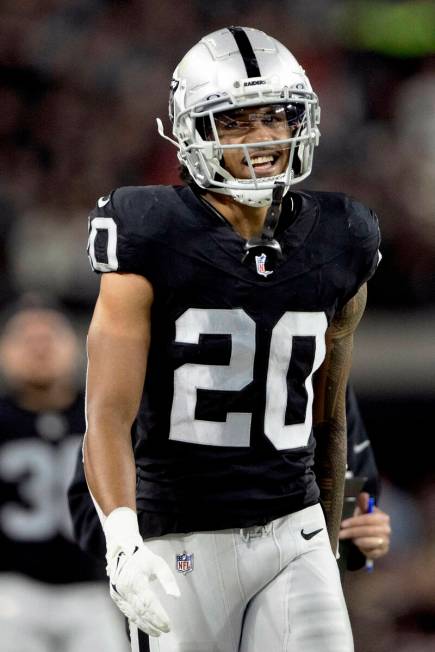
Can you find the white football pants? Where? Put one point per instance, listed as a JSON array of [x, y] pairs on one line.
[[259, 589], [37, 617]]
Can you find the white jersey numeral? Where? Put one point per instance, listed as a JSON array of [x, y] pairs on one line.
[[238, 373], [232, 377], [42, 474], [103, 224], [291, 325]]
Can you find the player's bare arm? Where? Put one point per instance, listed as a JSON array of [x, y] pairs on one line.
[[330, 410], [118, 344]]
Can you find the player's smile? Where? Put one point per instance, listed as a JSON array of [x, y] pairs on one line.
[[266, 163]]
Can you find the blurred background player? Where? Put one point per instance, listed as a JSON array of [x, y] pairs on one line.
[[362, 535], [50, 596]]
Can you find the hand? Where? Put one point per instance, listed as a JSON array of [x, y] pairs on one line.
[[131, 566], [130, 574], [369, 532]]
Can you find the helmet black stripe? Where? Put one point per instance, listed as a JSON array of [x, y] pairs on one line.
[[246, 50]]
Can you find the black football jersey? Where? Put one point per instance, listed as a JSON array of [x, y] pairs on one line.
[[37, 458], [360, 457], [224, 432], [360, 464]]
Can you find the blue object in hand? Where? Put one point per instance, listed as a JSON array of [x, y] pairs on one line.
[[369, 562]]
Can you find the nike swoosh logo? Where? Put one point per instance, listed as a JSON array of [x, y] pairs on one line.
[[309, 535], [103, 201], [358, 448], [118, 559]]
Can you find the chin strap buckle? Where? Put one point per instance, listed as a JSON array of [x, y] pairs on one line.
[[263, 246]]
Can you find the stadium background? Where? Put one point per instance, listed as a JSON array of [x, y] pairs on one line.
[[82, 82]]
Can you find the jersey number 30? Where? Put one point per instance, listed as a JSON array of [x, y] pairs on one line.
[[239, 372]]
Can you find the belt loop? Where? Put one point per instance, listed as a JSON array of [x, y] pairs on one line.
[[268, 527], [244, 534], [255, 531]]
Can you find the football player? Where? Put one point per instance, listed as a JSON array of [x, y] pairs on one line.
[[223, 332], [52, 596]]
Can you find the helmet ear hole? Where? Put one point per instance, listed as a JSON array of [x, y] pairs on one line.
[[298, 160], [203, 127]]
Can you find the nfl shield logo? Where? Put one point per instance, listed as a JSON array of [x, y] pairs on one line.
[[260, 262], [184, 562]]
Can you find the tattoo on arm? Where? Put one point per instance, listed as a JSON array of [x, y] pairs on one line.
[[330, 411]]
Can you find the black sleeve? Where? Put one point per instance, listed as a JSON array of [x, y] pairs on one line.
[[363, 246], [123, 229], [87, 529], [360, 463], [360, 458]]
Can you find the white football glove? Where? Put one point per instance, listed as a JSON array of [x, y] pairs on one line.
[[131, 566]]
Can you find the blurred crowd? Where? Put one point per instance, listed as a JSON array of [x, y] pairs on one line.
[[81, 83]]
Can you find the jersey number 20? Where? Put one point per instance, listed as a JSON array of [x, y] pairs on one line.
[[239, 372]]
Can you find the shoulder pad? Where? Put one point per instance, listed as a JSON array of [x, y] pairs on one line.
[[349, 227]]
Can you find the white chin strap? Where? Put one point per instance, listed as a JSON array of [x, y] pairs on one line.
[[257, 198], [254, 198]]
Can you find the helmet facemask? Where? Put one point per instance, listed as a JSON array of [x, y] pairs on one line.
[[225, 135], [207, 129]]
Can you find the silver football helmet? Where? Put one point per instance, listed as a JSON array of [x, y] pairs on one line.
[[231, 70]]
